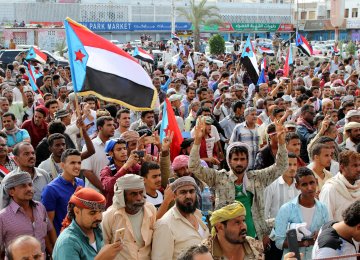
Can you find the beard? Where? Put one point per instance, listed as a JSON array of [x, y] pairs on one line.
[[239, 170], [240, 239], [188, 206], [136, 206]]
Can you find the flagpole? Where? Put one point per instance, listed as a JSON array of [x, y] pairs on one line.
[[78, 113]]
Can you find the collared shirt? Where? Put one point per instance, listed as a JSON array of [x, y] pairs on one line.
[[290, 213], [95, 162], [56, 196], [277, 194], [254, 181], [15, 222], [242, 133], [253, 249], [174, 233], [321, 182], [114, 219], [40, 180], [75, 245]]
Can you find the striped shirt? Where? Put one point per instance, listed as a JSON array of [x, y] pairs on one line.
[[14, 222], [242, 133], [277, 194]]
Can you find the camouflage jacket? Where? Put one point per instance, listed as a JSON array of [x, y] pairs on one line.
[[253, 249], [254, 181]]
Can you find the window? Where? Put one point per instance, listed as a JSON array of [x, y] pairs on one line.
[[328, 13], [354, 13], [311, 15], [303, 15], [346, 13]]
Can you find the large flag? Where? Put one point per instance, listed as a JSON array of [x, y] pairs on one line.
[[262, 78], [33, 76], [169, 123], [179, 62], [101, 68], [191, 61], [37, 55], [288, 62], [143, 55], [174, 36], [303, 44], [248, 59]]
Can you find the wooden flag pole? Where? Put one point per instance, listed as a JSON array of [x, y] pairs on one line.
[[78, 113]]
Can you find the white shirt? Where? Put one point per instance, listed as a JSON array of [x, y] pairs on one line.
[[156, 201], [307, 214], [277, 194], [95, 162], [350, 145]]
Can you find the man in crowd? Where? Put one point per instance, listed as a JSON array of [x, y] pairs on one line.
[[57, 193], [321, 157], [247, 132], [57, 146], [302, 209], [181, 226], [266, 156], [24, 247], [147, 119], [24, 156], [239, 183], [228, 238], [130, 211], [343, 189], [123, 120], [336, 238], [23, 213], [352, 132], [305, 129], [195, 252], [14, 134], [37, 126], [7, 164], [81, 237], [94, 164]]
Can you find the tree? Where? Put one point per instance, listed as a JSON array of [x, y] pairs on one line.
[[217, 44], [350, 48], [199, 14]]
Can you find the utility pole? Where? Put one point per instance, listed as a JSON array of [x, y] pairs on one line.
[[172, 16]]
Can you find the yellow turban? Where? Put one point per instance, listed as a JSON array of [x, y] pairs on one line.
[[231, 211]]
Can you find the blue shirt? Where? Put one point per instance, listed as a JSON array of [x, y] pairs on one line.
[[56, 196], [19, 137], [74, 244], [290, 213]]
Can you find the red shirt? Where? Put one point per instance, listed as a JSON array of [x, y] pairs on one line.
[[37, 133], [108, 180]]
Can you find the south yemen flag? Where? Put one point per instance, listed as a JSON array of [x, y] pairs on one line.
[[141, 54], [248, 58], [101, 68], [36, 55], [303, 44]]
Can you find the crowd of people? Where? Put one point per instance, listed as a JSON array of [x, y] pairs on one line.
[[86, 179]]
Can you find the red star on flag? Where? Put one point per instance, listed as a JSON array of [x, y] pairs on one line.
[[79, 55], [247, 49]]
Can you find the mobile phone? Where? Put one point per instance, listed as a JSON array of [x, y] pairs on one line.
[[119, 234], [140, 153], [228, 95], [149, 140], [171, 180], [91, 124], [293, 243]]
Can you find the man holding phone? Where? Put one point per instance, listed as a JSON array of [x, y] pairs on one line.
[[303, 209]]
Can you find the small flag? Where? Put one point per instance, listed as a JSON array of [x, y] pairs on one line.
[[266, 50], [3, 171], [101, 68], [31, 73], [169, 123], [143, 55], [37, 55], [288, 62], [179, 62], [262, 78], [174, 36], [303, 44], [248, 59], [166, 85]]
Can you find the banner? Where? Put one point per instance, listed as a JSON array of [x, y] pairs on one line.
[[134, 26]]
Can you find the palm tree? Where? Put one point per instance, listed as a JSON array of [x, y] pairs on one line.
[[199, 14]]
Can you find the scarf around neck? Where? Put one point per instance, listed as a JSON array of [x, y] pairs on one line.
[[12, 132], [345, 188]]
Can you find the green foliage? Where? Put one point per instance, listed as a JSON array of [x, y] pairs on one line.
[[217, 44], [351, 48], [200, 14]]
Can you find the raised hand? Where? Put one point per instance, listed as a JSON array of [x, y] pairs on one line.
[[199, 130], [167, 141]]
